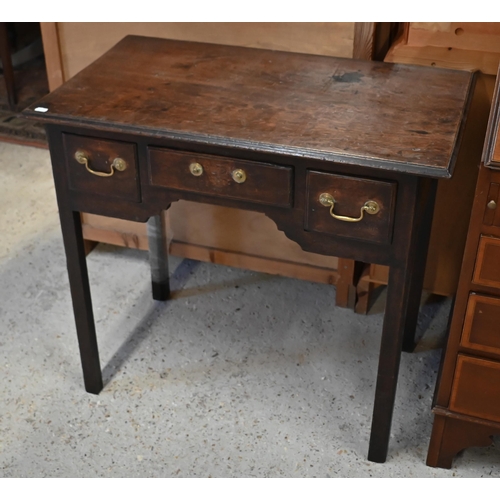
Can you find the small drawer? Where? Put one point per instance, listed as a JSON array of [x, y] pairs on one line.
[[221, 176], [487, 268], [481, 329], [353, 207], [102, 167], [491, 215], [476, 388]]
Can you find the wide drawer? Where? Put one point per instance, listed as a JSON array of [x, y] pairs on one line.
[[102, 167], [481, 329], [350, 206], [487, 268], [476, 388], [221, 176]]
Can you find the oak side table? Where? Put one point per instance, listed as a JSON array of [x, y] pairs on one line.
[[342, 155]]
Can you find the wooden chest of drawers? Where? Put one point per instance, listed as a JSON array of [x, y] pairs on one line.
[[467, 401]]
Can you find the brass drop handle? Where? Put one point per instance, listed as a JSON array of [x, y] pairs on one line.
[[370, 207], [239, 176], [117, 164], [196, 169]]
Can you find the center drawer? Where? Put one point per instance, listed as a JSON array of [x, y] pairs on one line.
[[220, 176]]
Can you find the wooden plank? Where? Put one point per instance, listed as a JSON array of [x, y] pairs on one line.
[[187, 223], [482, 37], [364, 34], [255, 263], [53, 60], [238, 231], [202, 253], [82, 43], [442, 57]]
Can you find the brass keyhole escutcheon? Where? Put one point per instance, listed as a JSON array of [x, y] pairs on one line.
[[371, 207], [239, 176], [492, 204]]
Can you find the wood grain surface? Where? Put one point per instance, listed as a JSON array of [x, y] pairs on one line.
[[402, 117]]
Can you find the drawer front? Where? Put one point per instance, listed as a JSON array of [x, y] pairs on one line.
[[349, 195], [487, 267], [93, 166], [492, 211], [221, 176], [476, 388], [482, 324]]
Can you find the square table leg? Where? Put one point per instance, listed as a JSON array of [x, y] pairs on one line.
[[402, 305], [158, 257], [71, 226], [398, 294]]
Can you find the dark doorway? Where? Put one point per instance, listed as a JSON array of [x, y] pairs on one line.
[[22, 51]]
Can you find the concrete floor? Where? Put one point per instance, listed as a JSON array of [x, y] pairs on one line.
[[241, 374]]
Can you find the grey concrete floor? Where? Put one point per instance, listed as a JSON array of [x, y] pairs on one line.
[[241, 374]]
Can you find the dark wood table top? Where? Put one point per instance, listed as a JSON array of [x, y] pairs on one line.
[[393, 116]]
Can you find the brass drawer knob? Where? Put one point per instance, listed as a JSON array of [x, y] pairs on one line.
[[492, 204], [117, 164], [370, 207], [196, 169], [239, 176]]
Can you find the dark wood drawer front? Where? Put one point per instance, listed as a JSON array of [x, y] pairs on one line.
[[349, 195], [487, 267], [221, 176], [102, 156], [482, 324], [476, 388]]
